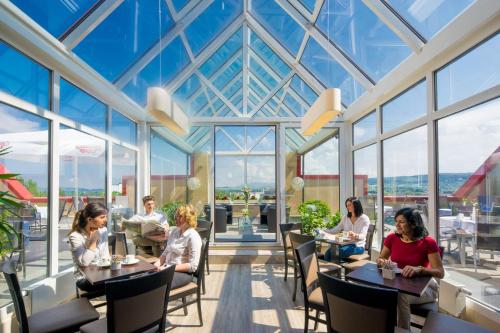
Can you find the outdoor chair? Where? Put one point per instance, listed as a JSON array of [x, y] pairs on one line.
[[191, 288], [352, 307], [287, 245], [137, 304], [66, 317], [220, 219], [271, 218], [308, 265], [298, 239]]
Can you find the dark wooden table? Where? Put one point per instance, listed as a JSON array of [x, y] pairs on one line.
[[158, 238], [99, 275], [335, 245], [441, 323], [370, 274]]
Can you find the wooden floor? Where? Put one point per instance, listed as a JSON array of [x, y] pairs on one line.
[[245, 298]]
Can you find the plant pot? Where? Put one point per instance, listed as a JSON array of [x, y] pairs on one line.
[[116, 265], [389, 274]]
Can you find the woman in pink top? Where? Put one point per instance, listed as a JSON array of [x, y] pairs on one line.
[[416, 254]]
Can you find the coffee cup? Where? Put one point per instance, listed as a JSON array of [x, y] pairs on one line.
[[129, 258], [345, 234]]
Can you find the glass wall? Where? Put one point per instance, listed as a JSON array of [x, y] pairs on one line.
[[469, 197], [365, 128], [123, 128], [405, 174], [365, 183], [245, 158], [82, 179], [169, 171], [27, 138], [123, 184]]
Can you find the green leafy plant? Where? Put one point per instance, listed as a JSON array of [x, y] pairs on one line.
[[7, 204], [315, 214], [169, 210]]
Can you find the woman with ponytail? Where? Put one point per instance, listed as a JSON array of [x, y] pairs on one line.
[[89, 240]]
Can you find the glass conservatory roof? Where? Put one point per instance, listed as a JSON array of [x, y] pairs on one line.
[[242, 58]]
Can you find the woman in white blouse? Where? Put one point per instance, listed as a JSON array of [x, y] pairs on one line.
[[88, 239], [356, 224], [183, 247]]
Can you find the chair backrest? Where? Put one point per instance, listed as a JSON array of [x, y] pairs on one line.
[[206, 225], [298, 239], [220, 219], [62, 207], [369, 239], [200, 271], [351, 307], [285, 230], [204, 233], [10, 275], [488, 236], [308, 264], [146, 296], [271, 218]]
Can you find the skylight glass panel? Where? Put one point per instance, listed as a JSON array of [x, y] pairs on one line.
[[22, 77], [198, 103], [329, 72], [55, 16], [278, 23], [308, 4], [362, 36], [123, 37], [211, 22], [303, 90], [256, 88], [233, 88], [222, 55], [429, 16], [294, 106], [268, 80], [179, 4], [173, 59], [187, 89], [227, 75], [268, 55]]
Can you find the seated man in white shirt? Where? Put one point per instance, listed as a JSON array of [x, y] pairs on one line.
[[149, 215]]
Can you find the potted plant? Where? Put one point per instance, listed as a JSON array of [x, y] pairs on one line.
[[169, 210], [315, 214], [7, 233]]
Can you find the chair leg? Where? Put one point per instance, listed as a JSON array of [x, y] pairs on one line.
[[198, 301], [316, 320], [295, 278], [184, 306], [208, 272], [286, 268], [306, 324], [203, 284]]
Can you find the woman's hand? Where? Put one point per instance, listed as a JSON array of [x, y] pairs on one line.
[[411, 271], [157, 265], [381, 261]]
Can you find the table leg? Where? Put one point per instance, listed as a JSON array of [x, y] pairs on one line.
[[461, 246]]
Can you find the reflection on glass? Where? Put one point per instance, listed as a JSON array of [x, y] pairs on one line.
[[469, 196], [22, 77], [27, 135], [404, 108], [365, 128], [123, 128], [279, 23], [128, 32], [429, 16], [265, 53], [79, 106], [222, 55], [123, 185], [472, 73], [82, 179], [405, 174], [169, 170], [353, 27], [329, 72], [245, 156], [365, 184]]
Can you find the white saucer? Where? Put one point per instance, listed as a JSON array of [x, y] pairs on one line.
[[132, 262], [104, 264]]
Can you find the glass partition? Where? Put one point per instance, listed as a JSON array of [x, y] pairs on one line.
[[123, 185], [365, 128]]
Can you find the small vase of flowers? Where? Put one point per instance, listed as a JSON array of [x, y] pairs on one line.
[[246, 196], [116, 263]]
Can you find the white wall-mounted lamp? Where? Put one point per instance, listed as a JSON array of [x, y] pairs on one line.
[[325, 108], [166, 111], [297, 183], [193, 183]]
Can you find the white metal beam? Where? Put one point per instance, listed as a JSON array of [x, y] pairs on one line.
[[198, 121], [246, 60], [395, 24], [346, 63], [272, 92], [155, 50], [18, 29], [285, 56], [206, 53], [264, 65], [218, 93], [90, 23]]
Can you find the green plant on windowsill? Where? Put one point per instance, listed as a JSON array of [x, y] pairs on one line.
[[169, 210], [7, 204], [315, 214]]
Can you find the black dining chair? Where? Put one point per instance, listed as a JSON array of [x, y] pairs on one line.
[[147, 295], [208, 226], [285, 229], [352, 307], [205, 235], [67, 317]]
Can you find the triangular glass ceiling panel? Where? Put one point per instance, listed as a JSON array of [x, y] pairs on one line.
[[268, 55], [224, 54], [173, 59], [56, 16], [308, 4], [113, 46], [222, 78], [211, 22], [179, 4], [292, 104], [278, 23], [359, 33], [429, 16], [186, 92], [329, 72], [303, 90]]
